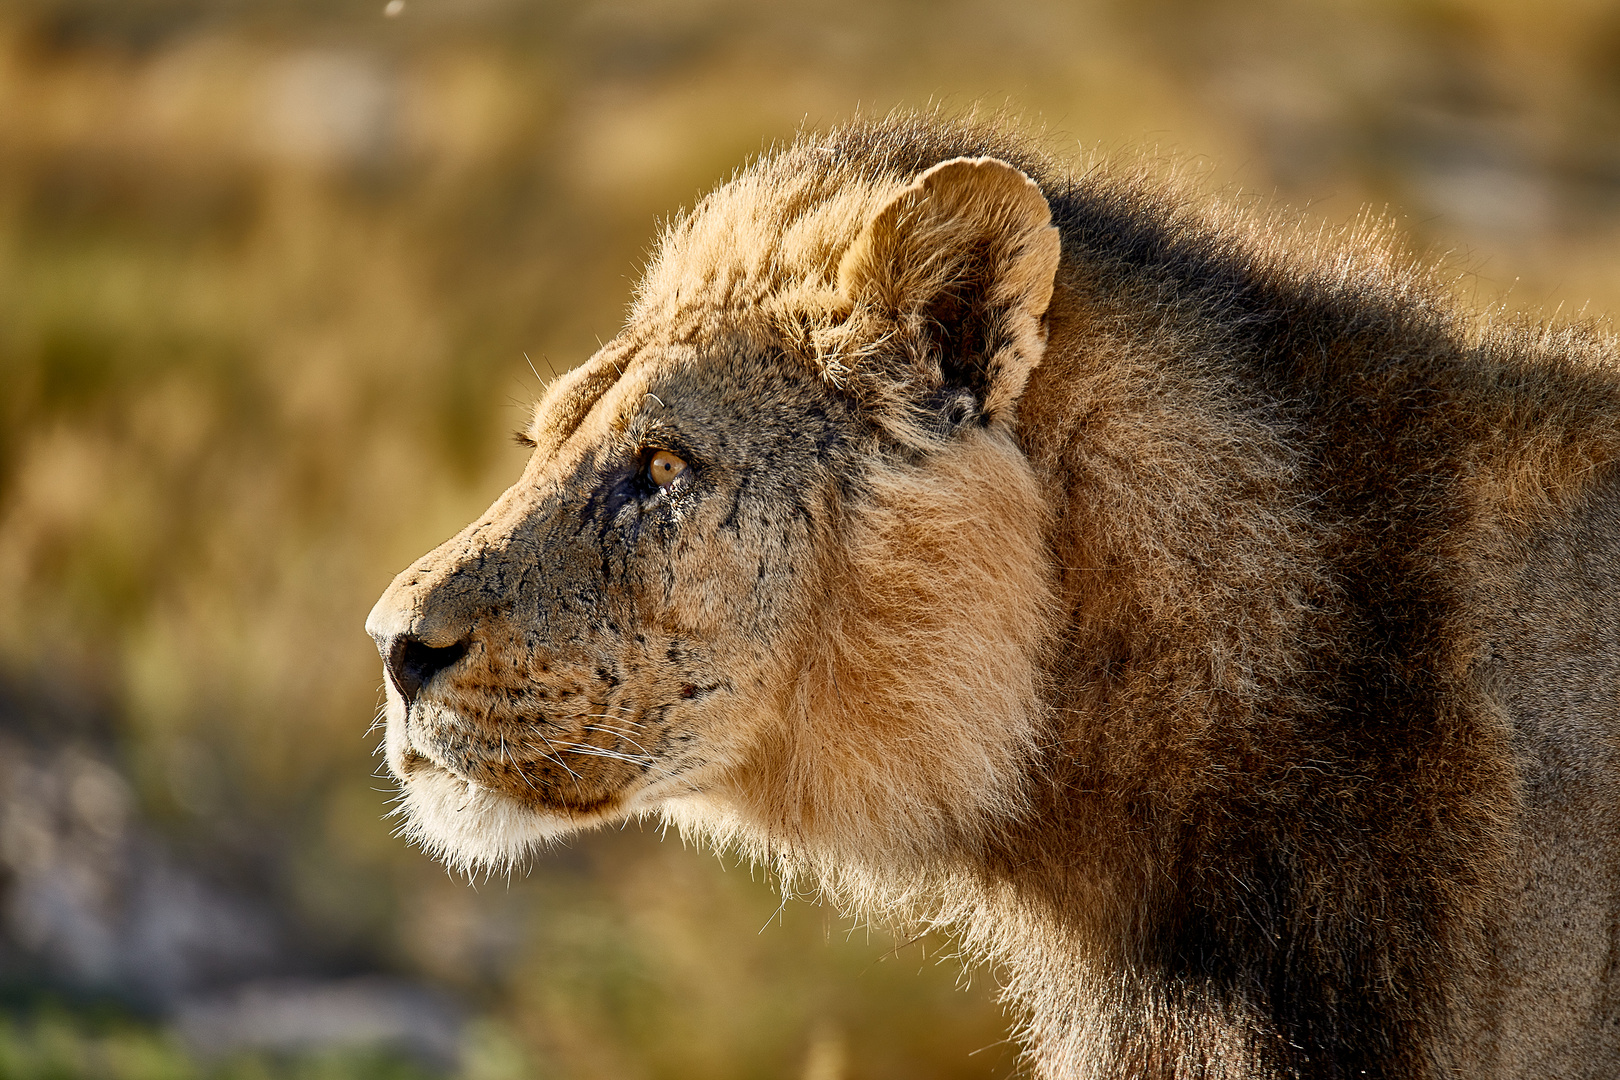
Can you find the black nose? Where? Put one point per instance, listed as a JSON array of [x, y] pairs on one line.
[[412, 663]]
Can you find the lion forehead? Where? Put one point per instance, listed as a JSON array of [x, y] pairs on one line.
[[769, 242]]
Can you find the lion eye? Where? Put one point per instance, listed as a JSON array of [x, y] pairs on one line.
[[664, 467]]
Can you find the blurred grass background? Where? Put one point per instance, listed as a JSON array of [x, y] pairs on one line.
[[269, 272]]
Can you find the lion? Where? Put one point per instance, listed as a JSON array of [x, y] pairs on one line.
[[1216, 627]]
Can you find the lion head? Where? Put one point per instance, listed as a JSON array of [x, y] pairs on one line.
[[777, 566]]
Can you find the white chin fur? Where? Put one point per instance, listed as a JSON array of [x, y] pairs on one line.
[[474, 828]]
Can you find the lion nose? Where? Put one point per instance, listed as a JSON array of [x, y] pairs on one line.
[[412, 663]]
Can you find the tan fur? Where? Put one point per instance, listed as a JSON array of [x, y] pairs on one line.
[[1215, 626], [888, 666]]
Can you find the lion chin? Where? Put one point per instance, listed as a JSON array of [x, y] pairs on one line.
[[472, 828]]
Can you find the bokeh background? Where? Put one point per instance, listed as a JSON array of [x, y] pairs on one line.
[[277, 280]]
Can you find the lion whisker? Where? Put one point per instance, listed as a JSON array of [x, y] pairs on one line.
[[552, 755], [647, 763], [619, 735], [603, 751]]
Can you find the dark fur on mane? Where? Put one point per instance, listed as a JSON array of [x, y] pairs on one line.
[[1277, 797]]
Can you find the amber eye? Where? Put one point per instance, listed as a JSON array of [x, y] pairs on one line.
[[663, 467]]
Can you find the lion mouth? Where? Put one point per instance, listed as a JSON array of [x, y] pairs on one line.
[[531, 799], [515, 760], [477, 819], [482, 786]]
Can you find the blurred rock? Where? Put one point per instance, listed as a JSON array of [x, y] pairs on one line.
[[94, 900], [290, 1016], [93, 903]]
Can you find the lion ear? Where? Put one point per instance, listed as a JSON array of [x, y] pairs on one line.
[[963, 262]]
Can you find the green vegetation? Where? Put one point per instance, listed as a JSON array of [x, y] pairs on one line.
[[59, 1045]]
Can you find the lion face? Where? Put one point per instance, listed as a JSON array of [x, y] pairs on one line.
[[604, 637], [740, 590]]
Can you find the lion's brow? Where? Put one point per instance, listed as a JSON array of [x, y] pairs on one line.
[[572, 397]]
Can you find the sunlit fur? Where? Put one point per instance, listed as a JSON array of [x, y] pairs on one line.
[[1211, 622], [901, 735]]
